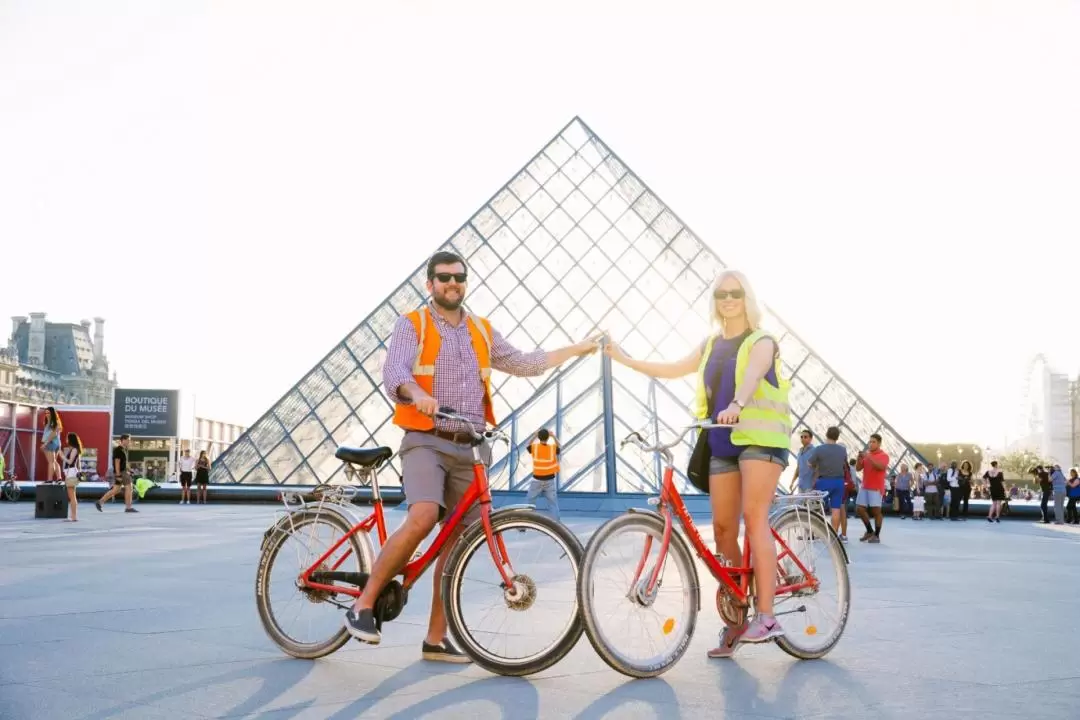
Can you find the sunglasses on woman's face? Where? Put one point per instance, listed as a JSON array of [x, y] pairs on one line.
[[725, 294], [445, 277]]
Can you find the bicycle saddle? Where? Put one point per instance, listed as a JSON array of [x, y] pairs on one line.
[[364, 457]]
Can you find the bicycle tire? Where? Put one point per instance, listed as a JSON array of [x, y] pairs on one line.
[[300, 519], [677, 551], [836, 553], [12, 491], [473, 540]]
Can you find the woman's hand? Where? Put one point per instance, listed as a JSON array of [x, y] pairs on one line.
[[730, 415], [613, 351]]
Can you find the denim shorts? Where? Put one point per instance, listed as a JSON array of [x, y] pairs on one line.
[[718, 465]]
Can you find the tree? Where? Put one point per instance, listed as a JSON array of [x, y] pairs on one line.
[[1018, 464]]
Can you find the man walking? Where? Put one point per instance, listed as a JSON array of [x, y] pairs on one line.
[[121, 475], [873, 466], [545, 456], [440, 355]]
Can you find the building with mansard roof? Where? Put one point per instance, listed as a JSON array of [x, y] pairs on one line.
[[55, 362]]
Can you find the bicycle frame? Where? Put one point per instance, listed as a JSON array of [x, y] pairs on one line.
[[478, 491], [671, 503]]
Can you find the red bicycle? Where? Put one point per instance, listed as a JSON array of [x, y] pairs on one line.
[[659, 591], [330, 572]]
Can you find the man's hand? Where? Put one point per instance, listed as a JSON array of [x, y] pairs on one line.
[[425, 403], [589, 345]]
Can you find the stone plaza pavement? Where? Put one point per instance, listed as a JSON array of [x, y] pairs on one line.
[[152, 616]]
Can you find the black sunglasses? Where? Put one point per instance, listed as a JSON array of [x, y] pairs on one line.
[[725, 294], [445, 277]]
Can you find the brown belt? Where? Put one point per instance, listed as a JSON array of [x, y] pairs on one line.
[[461, 438]]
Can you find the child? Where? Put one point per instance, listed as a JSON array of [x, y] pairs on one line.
[[918, 505]]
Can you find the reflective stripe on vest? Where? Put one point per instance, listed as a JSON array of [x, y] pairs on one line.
[[766, 419], [427, 351], [544, 460]]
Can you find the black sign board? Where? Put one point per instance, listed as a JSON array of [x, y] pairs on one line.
[[146, 413]]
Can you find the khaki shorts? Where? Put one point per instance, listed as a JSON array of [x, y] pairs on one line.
[[437, 470], [123, 479]]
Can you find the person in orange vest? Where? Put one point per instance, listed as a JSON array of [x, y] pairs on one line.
[[545, 456], [441, 355]]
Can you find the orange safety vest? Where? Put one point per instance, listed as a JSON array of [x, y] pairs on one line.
[[427, 350], [545, 462]]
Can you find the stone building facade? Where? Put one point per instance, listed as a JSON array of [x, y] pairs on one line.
[[56, 363]]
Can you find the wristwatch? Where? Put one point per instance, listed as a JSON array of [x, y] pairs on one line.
[[736, 402]]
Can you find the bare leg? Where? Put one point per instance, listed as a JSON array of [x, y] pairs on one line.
[[860, 511], [836, 520], [128, 488], [759, 480], [725, 498], [73, 504], [437, 624], [843, 518], [879, 520], [398, 549]]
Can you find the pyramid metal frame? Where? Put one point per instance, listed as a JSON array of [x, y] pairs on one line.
[[614, 257]]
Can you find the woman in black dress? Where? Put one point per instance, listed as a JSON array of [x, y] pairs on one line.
[[996, 479], [202, 477], [965, 486]]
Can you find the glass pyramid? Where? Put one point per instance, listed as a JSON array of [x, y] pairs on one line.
[[574, 242]]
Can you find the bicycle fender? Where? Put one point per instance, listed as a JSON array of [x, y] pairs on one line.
[[511, 508], [775, 517], [284, 523]]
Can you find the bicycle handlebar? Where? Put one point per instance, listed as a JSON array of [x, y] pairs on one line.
[[635, 437], [449, 413]]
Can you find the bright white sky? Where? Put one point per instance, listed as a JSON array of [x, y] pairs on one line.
[[899, 177]]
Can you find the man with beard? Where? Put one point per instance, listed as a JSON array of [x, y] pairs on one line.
[[440, 355]]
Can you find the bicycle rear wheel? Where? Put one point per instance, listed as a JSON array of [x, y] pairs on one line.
[[527, 624], [307, 528], [615, 611], [813, 619], [12, 491]]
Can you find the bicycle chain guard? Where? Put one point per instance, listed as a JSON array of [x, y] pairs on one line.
[[731, 610], [390, 603]]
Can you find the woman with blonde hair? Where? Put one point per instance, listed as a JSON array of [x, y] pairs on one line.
[[739, 383]]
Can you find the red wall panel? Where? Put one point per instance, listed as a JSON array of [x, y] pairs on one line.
[[94, 428]]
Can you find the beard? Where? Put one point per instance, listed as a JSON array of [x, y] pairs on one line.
[[445, 303]]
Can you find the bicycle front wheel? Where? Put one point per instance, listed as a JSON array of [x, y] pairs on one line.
[[637, 630], [532, 626]]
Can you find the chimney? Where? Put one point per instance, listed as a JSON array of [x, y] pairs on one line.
[[35, 351], [99, 340], [16, 323]]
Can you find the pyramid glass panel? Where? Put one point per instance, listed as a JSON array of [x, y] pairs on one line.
[[573, 243]]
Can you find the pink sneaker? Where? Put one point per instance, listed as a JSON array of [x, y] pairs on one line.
[[762, 628], [729, 642]]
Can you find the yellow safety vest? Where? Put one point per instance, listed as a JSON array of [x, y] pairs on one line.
[[766, 419]]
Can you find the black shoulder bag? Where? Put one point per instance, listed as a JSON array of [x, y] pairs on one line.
[[697, 470]]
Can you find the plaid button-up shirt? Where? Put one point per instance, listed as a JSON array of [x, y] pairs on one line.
[[457, 370]]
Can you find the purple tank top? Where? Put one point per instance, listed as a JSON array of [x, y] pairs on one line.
[[720, 438]]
